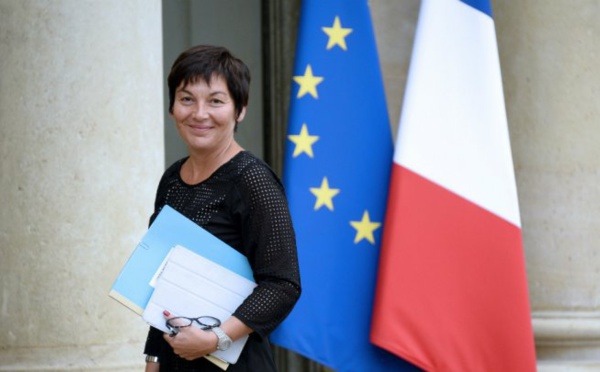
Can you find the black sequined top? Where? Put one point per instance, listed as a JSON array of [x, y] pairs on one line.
[[242, 203]]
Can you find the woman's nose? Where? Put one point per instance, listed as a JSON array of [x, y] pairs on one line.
[[200, 111]]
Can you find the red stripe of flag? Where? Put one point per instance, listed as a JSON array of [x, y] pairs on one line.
[[451, 283]]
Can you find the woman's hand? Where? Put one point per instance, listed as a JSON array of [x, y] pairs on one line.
[[192, 342]]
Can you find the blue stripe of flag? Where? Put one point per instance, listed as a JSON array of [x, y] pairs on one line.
[[483, 6]]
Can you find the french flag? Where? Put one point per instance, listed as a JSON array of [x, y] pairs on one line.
[[452, 287]]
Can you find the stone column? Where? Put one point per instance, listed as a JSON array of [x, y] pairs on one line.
[[81, 149], [549, 53]]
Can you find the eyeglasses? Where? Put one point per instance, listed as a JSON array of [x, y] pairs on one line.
[[205, 322]]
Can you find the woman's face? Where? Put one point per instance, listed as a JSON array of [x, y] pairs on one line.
[[205, 115]]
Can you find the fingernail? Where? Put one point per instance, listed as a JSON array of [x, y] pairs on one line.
[[166, 313]]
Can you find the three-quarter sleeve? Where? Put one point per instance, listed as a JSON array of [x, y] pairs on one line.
[[270, 245]]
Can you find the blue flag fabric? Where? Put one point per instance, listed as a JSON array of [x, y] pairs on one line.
[[336, 173]]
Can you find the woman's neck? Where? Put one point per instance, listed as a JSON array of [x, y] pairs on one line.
[[201, 165]]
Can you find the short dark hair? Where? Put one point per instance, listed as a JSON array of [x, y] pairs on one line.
[[206, 61]]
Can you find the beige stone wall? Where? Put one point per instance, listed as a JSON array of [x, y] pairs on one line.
[[81, 142], [549, 54]]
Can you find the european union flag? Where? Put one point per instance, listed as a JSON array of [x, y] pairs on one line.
[[336, 173]]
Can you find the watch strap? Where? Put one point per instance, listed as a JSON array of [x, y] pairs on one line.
[[223, 341]]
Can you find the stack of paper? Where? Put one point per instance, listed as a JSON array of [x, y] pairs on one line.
[[180, 267], [192, 286]]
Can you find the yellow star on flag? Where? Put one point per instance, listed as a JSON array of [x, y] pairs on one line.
[[308, 83], [324, 195], [303, 141], [365, 228], [337, 34]]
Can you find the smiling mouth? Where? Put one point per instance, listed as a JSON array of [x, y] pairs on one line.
[[199, 128]]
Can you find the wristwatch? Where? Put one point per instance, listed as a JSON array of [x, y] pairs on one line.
[[224, 341]]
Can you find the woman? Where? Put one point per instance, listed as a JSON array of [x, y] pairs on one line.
[[235, 196]]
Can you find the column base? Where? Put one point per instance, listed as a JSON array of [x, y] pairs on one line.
[[567, 340], [115, 357]]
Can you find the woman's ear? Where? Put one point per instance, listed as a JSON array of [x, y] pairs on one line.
[[242, 115]]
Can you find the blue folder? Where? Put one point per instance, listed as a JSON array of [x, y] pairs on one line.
[[132, 287]]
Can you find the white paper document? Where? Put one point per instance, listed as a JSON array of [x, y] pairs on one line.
[[190, 285]]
